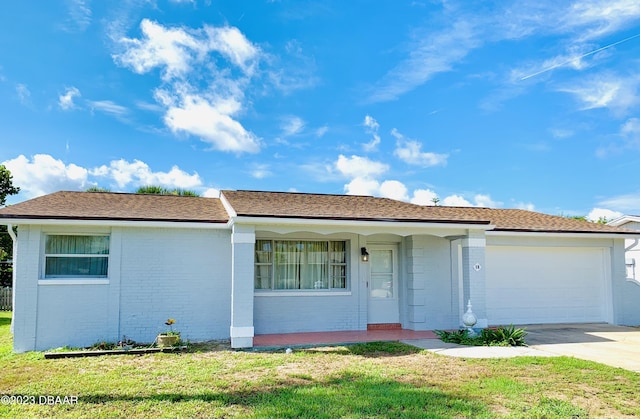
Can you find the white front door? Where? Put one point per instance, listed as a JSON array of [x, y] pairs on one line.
[[383, 284]]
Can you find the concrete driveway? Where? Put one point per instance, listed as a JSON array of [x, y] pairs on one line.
[[617, 346]]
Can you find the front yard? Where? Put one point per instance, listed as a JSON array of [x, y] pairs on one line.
[[368, 380]]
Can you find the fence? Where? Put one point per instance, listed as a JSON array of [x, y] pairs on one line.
[[5, 299], [6, 269]]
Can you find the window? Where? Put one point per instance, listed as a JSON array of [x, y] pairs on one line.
[[76, 256], [300, 265]]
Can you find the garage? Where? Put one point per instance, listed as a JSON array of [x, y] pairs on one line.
[[532, 285]]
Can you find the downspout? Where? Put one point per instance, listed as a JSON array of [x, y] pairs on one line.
[[14, 254]]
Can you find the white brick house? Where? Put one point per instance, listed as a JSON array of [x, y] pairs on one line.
[[98, 266]]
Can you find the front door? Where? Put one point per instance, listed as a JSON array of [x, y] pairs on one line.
[[383, 284]]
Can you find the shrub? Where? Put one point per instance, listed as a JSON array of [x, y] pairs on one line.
[[499, 336]]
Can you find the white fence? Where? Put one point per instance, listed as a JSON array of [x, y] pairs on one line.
[[5, 299]]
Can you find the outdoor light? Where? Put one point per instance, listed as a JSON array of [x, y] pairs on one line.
[[365, 254]]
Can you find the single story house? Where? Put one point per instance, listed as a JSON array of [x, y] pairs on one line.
[[93, 266]]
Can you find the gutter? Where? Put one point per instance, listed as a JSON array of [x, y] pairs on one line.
[[14, 254], [209, 225], [574, 234], [359, 223]]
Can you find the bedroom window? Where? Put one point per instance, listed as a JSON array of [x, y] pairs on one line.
[[300, 265], [81, 256]]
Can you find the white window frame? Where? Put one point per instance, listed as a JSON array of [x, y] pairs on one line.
[[78, 280], [305, 291]]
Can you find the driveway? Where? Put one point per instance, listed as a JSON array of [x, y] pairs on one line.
[[618, 346]]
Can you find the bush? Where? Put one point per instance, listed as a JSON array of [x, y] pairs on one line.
[[499, 336]]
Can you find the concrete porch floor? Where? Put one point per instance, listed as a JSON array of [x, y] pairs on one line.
[[332, 338]]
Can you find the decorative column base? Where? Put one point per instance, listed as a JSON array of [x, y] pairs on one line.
[[242, 337]]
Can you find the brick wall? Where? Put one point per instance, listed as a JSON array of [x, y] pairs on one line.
[[179, 274], [432, 301]]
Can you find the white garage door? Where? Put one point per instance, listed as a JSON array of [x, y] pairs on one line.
[[529, 285]]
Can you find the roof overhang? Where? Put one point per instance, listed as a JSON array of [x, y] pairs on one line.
[[565, 234], [363, 227], [114, 223]]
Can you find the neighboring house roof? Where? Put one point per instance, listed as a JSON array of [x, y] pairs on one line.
[[319, 206], [118, 206], [625, 219], [149, 207]]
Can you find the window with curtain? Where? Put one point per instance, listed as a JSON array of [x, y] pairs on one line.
[[300, 265], [69, 256]]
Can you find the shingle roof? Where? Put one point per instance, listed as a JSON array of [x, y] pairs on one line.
[[119, 206], [319, 206], [141, 207], [338, 207]]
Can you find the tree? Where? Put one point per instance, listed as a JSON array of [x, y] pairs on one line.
[[97, 189], [6, 185], [161, 190]]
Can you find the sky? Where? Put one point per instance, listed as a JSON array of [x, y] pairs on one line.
[[502, 104]]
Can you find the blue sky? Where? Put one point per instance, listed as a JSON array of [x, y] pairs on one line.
[[506, 104]]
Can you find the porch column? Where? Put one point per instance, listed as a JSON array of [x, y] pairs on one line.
[[243, 240], [473, 275]]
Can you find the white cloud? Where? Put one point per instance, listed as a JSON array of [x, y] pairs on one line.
[[65, 101], [629, 139], [232, 44], [410, 152], [479, 200], [320, 132], [362, 186], [394, 189], [486, 201], [43, 174], [79, 16], [108, 107], [24, 94], [359, 167], [456, 201], [261, 171], [371, 123], [424, 197], [176, 50], [525, 206], [600, 17], [606, 91], [597, 214], [212, 121], [432, 53], [211, 193], [291, 125], [173, 49], [444, 43], [138, 173], [372, 127], [296, 70], [561, 133], [185, 58], [628, 203]]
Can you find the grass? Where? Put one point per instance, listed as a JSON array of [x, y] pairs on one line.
[[373, 380]]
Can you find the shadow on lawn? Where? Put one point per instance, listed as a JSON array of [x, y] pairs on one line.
[[346, 394], [5, 321]]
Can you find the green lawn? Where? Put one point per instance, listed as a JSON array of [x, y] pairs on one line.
[[368, 380]]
